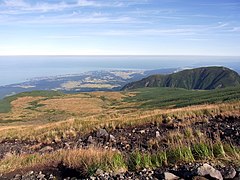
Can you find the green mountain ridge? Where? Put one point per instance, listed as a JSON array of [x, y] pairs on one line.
[[203, 78]]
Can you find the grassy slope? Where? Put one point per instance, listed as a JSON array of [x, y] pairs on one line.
[[152, 97], [174, 97], [199, 78], [148, 104], [183, 151], [5, 104]]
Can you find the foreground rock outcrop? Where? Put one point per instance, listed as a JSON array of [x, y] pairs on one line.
[[188, 171], [147, 138]]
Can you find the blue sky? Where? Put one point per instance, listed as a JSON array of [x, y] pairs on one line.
[[120, 27]]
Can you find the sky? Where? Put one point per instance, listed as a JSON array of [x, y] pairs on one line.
[[120, 27]]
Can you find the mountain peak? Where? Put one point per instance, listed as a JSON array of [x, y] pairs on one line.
[[204, 78]]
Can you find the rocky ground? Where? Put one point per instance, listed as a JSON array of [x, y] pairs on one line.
[[129, 139], [189, 171]]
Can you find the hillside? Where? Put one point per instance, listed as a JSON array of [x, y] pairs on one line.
[[204, 78], [132, 134], [104, 80]]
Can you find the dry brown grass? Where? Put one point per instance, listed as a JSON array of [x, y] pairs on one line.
[[23, 102], [19, 109], [82, 125], [85, 112], [80, 106], [85, 160], [81, 113], [109, 95]]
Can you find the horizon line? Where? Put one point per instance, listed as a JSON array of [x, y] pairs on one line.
[[109, 55]]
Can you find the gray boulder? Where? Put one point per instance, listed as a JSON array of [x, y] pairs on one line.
[[206, 169]]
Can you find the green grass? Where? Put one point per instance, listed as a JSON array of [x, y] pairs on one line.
[[183, 154], [87, 161], [35, 104], [175, 97], [202, 151], [5, 104]]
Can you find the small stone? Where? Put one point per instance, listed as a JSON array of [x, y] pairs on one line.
[[90, 139], [229, 173], [199, 178], [8, 155], [46, 149], [102, 133], [40, 176], [206, 169], [119, 171], [31, 172], [112, 138], [51, 176], [18, 176], [142, 131], [99, 172], [157, 134], [170, 176], [66, 145]]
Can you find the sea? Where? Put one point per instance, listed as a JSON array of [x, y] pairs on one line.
[[17, 69]]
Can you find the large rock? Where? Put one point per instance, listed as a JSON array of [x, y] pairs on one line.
[[170, 176], [207, 170]]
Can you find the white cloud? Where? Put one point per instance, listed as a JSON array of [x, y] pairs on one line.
[[186, 32], [235, 29], [139, 32], [196, 39], [77, 18], [22, 7], [15, 3], [88, 3]]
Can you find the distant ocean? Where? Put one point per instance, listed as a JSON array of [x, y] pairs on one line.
[[15, 69]]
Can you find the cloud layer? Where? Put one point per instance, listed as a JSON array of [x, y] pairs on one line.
[[119, 22]]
